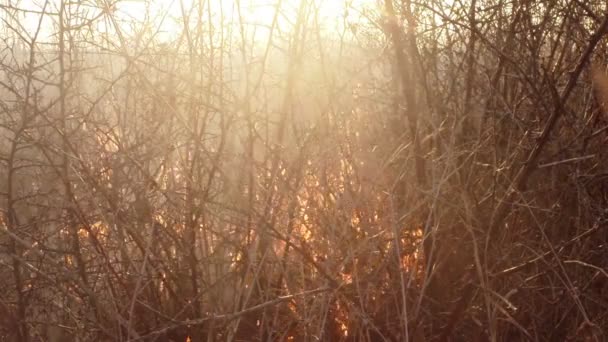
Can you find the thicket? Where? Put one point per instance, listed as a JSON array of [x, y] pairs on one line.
[[421, 171]]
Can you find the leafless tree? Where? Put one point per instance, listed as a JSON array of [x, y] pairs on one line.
[[242, 171]]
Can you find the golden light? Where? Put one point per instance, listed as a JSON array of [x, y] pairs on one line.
[[169, 15], [166, 19]]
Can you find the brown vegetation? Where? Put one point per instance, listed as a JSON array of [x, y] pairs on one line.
[[424, 171]]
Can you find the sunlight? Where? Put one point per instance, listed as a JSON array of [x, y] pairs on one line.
[[165, 19], [264, 11], [168, 15]]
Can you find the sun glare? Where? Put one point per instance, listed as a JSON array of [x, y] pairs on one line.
[[166, 19], [169, 15]]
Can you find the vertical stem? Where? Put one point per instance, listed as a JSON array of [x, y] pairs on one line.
[[65, 161], [22, 330], [470, 75], [407, 85]]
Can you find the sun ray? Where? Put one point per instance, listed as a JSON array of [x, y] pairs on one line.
[[168, 15]]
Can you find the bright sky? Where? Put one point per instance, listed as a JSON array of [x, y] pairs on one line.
[[167, 14], [331, 13]]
